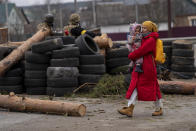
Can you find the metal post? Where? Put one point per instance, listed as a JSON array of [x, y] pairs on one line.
[[169, 18], [61, 19], [94, 12], [75, 5], [7, 20], [136, 11], [48, 3]]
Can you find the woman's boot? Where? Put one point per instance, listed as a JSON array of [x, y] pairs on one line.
[[158, 112], [127, 110]]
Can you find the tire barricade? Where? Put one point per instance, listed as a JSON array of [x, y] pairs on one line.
[[12, 81]]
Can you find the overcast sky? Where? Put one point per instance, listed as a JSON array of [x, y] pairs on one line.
[[37, 2]]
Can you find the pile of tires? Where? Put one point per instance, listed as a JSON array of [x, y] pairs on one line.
[[62, 75], [167, 48], [67, 40], [117, 62], [12, 81], [183, 60], [92, 63], [36, 64]]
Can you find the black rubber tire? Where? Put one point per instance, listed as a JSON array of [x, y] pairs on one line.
[[92, 59], [35, 74], [67, 52], [47, 45], [17, 89], [184, 75], [116, 62], [57, 34], [115, 53], [36, 58], [183, 60], [183, 52], [52, 37], [36, 91], [62, 72], [70, 45], [10, 81], [37, 67], [92, 69], [183, 68], [168, 55], [58, 92], [62, 82], [120, 70], [86, 45], [4, 51], [14, 72], [34, 83], [127, 78], [88, 78], [181, 46], [66, 62], [167, 43], [167, 49], [68, 40]]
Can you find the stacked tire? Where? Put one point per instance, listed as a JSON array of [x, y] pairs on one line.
[[67, 40], [62, 75], [37, 62], [92, 63], [91, 68], [167, 48], [12, 81], [117, 60], [36, 65], [183, 60]]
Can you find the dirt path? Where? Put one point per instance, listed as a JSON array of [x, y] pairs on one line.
[[179, 115]]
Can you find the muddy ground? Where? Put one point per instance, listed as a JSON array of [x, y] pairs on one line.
[[102, 115]]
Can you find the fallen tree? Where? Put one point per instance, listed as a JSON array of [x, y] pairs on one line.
[[177, 87], [18, 53], [24, 104]]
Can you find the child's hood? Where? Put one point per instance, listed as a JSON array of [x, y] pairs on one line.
[[134, 26]]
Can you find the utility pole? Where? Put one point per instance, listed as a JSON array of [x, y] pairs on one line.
[[75, 5], [169, 17], [7, 15], [48, 4], [94, 12], [136, 11], [61, 19]]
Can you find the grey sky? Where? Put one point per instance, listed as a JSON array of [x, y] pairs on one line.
[[37, 2]]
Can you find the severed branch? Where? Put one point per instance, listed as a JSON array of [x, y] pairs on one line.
[[82, 86]]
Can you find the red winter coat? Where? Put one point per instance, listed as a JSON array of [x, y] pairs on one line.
[[146, 82]]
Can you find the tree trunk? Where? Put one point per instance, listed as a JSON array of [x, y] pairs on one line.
[[18, 53], [177, 87], [24, 104]]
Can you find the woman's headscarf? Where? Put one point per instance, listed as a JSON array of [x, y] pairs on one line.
[[151, 26]]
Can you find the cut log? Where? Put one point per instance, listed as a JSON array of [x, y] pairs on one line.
[[24, 104], [18, 53], [177, 87], [103, 41]]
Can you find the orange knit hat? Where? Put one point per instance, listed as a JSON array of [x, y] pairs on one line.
[[151, 26]]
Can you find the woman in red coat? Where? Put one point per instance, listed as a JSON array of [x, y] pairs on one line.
[[145, 85]]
